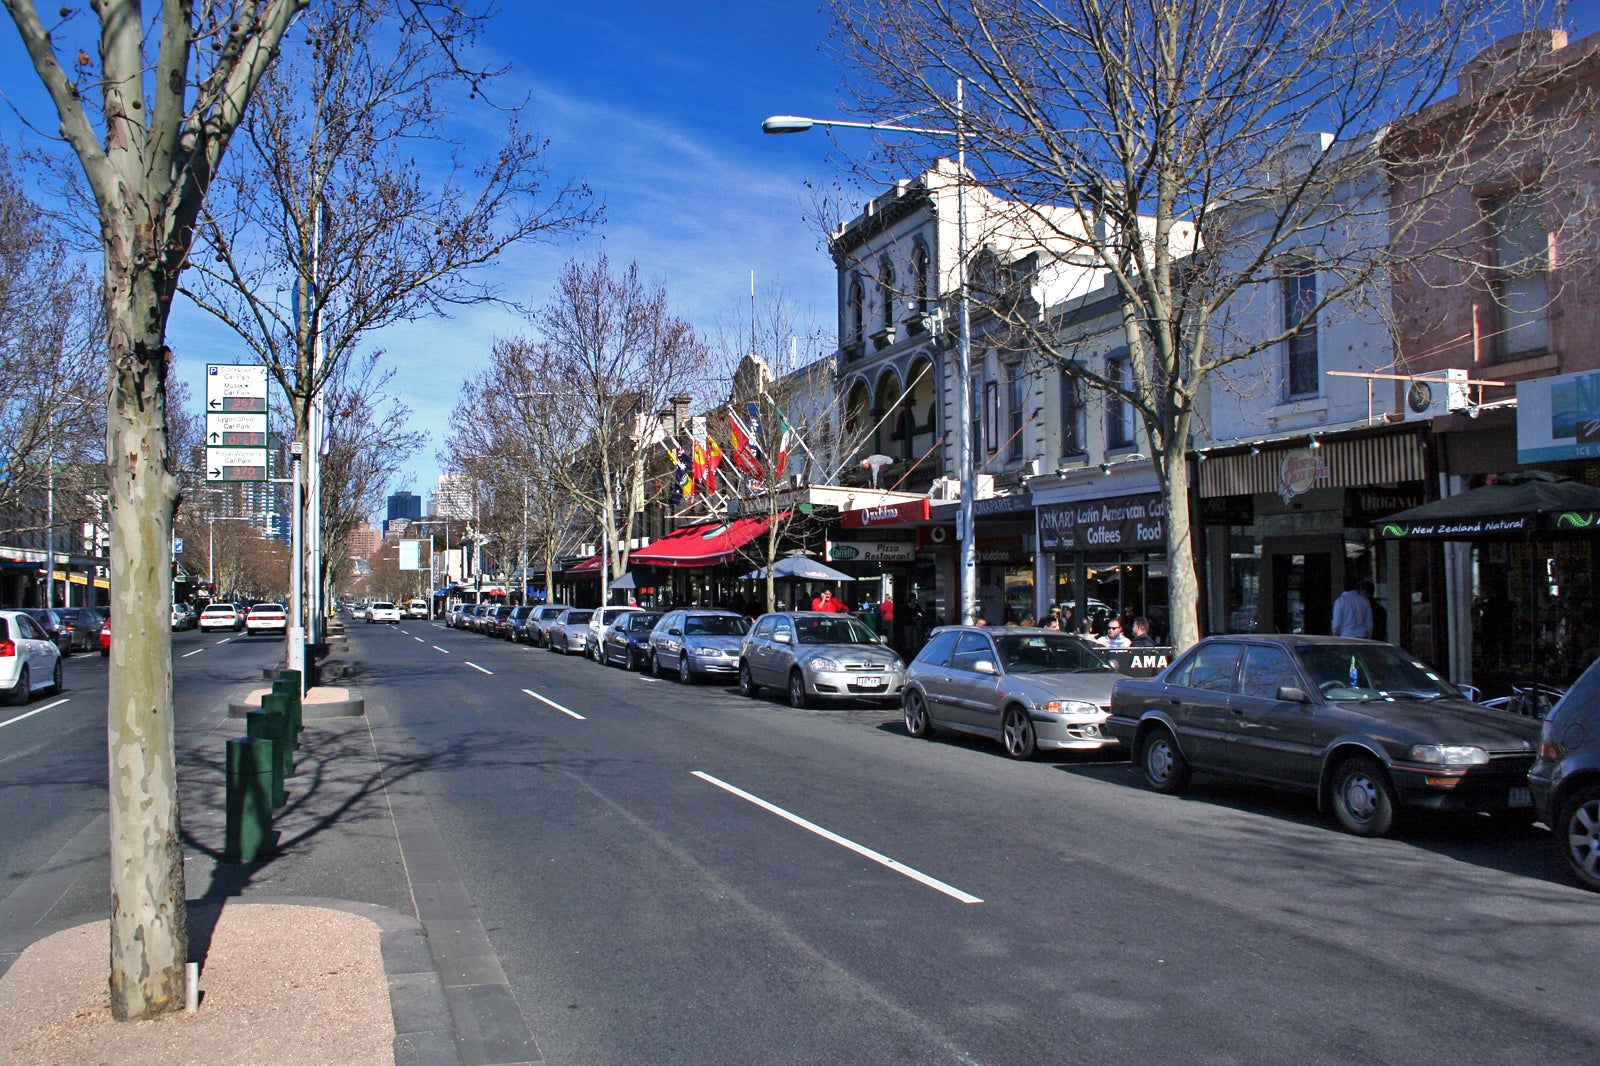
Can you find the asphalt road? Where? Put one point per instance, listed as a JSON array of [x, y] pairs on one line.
[[632, 848]]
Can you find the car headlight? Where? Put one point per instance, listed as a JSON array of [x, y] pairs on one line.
[[1067, 707], [827, 665], [1450, 754], [701, 649]]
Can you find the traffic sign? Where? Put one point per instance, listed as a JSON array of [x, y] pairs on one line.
[[236, 464], [233, 388], [236, 431]]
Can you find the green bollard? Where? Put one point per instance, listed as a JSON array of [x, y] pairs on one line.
[[272, 726], [279, 704], [291, 692], [247, 835]]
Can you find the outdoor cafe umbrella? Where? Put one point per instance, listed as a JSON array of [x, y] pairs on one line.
[[1532, 505], [626, 581], [799, 568]]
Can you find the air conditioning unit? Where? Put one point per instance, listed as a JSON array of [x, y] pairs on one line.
[[944, 488], [1436, 393]]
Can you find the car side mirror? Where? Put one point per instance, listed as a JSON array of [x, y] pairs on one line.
[[883, 638], [783, 638], [1292, 694], [984, 666], [674, 632]]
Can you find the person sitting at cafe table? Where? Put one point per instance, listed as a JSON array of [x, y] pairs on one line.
[[1114, 637], [1141, 634]]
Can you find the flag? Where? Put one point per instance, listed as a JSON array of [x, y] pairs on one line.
[[698, 467], [783, 444], [746, 451], [713, 461], [683, 483]]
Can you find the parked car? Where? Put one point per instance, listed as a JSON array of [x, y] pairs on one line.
[[599, 622], [538, 628], [418, 609], [383, 611], [86, 623], [497, 621], [266, 618], [1565, 779], [628, 640], [77, 634], [30, 660], [696, 643], [517, 624], [183, 617], [221, 616], [812, 655], [47, 620], [1030, 689], [1360, 724], [569, 632]]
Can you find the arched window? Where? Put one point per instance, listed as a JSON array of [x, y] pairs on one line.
[[855, 312], [921, 283], [886, 290]]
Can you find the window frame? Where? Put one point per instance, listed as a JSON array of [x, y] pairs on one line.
[[1301, 349], [1532, 269], [1016, 400], [1121, 430]]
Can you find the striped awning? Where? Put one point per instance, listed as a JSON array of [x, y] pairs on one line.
[[1352, 462]]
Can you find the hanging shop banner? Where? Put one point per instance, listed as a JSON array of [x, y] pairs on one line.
[[870, 551], [886, 515], [1123, 522], [1558, 418]]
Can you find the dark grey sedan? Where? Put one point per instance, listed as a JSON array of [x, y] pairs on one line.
[[1030, 689], [1360, 724]]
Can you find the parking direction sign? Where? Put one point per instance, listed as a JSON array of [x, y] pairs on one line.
[[233, 389], [236, 431], [236, 464]]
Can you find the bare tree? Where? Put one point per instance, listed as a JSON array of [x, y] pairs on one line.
[[1141, 134], [148, 107], [333, 220]]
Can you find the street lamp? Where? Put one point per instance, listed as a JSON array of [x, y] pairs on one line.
[[780, 124]]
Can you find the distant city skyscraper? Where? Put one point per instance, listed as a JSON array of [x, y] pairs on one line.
[[404, 505]]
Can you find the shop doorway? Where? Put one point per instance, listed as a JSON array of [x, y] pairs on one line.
[[1302, 578]]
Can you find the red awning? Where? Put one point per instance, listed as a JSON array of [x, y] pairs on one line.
[[590, 565], [702, 545]]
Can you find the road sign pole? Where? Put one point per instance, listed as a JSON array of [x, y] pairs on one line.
[[296, 657]]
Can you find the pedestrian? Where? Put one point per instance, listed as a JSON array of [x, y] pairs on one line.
[[1054, 621], [1114, 637], [1352, 613], [829, 603], [1141, 634], [886, 618]]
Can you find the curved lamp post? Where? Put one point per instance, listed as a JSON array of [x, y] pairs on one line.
[[780, 124]]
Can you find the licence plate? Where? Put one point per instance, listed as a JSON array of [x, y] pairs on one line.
[[869, 680], [1519, 797]]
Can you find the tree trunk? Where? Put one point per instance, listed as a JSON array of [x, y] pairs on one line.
[[149, 932], [1183, 594]]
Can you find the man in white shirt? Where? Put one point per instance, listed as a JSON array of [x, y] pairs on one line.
[[1115, 637], [1352, 613]]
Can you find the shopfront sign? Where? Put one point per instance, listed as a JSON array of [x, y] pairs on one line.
[[1016, 503], [886, 515], [1119, 523], [1299, 470], [934, 538], [870, 551], [1558, 418]]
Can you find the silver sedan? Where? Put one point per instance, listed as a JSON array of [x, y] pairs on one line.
[[1030, 689], [813, 655], [569, 632]]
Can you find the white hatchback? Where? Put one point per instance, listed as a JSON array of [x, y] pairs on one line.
[[29, 659], [383, 612]]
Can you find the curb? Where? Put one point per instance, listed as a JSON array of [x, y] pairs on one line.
[[353, 706]]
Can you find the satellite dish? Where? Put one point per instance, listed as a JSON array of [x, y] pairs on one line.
[[876, 463]]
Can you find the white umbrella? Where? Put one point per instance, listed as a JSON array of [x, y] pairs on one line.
[[799, 568]]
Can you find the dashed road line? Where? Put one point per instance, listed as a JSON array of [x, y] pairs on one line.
[[554, 704], [36, 710], [844, 842], [480, 669], [186, 654], [437, 648]]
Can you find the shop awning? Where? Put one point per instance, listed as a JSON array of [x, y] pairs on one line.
[[703, 545], [590, 565], [1531, 502]]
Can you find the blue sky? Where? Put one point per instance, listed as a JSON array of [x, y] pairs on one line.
[[657, 106]]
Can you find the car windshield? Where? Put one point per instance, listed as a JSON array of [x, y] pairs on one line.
[[1047, 653], [1370, 671], [579, 616], [835, 630], [715, 625]]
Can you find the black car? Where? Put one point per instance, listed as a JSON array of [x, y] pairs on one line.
[[1566, 778], [54, 627], [628, 640], [1360, 724], [85, 623], [517, 623]]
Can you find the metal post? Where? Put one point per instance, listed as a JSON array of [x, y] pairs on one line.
[[50, 523], [964, 441], [524, 542], [296, 659]]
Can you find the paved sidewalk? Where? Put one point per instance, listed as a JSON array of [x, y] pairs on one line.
[[360, 883]]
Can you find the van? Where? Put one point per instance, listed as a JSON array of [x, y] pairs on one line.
[[417, 609]]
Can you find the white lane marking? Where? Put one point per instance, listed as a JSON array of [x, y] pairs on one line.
[[36, 710], [437, 648], [859, 849], [554, 704], [224, 640], [480, 669], [419, 640], [186, 654]]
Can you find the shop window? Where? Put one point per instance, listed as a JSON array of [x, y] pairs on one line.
[[1518, 276], [1119, 412], [1074, 415], [1300, 372], [1016, 398]]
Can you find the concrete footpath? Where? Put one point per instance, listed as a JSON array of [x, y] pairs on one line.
[[355, 941]]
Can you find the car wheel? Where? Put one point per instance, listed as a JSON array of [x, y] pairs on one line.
[[916, 712], [1165, 768], [655, 664], [1016, 729], [58, 680], [685, 674], [1578, 835], [1363, 799], [797, 689], [20, 694]]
